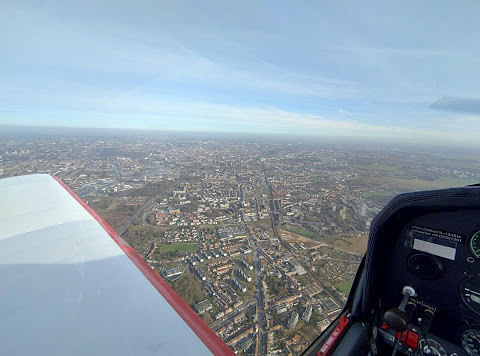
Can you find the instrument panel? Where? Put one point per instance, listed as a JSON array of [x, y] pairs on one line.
[[438, 254]]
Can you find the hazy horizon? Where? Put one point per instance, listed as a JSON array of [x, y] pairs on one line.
[[7, 131]]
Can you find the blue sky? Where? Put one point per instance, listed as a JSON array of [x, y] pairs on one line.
[[406, 69]]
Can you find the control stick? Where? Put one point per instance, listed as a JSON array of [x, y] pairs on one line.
[[396, 318]]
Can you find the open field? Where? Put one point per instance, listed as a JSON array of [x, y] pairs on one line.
[[290, 236], [299, 230], [178, 247], [456, 182], [384, 167], [375, 194], [345, 286], [308, 333], [261, 222], [172, 264], [416, 184], [357, 244], [312, 218]]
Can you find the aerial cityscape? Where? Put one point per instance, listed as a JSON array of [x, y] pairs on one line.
[[262, 237], [241, 149]]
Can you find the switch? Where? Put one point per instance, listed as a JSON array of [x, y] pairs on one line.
[[412, 340]]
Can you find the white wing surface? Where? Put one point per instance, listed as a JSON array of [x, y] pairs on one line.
[[69, 285]]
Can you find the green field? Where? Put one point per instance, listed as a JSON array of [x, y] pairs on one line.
[[299, 230], [178, 247], [345, 286], [261, 222], [312, 218], [307, 332], [455, 182], [374, 194], [384, 167], [417, 184], [171, 264]]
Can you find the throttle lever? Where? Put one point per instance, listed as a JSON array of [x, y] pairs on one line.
[[396, 318]]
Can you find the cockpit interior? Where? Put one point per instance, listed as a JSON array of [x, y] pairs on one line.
[[417, 291]]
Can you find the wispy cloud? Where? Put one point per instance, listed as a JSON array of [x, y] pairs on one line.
[[305, 68]]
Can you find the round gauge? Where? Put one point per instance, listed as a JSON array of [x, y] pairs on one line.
[[431, 348], [470, 293], [475, 244], [425, 266], [471, 342]]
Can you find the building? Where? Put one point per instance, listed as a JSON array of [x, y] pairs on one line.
[[172, 273], [288, 300], [293, 320], [198, 272], [282, 308], [307, 313], [244, 275], [239, 318], [245, 250], [203, 306], [244, 343], [239, 285], [294, 267], [222, 252], [247, 265]]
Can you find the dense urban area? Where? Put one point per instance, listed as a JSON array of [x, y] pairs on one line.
[[261, 236]]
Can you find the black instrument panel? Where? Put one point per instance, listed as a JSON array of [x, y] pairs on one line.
[[438, 254]]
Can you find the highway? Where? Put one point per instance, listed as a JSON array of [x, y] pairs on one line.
[[136, 214]]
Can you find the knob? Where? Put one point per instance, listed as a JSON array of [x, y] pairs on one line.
[[396, 319]]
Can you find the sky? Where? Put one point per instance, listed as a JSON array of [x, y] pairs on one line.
[[388, 69]]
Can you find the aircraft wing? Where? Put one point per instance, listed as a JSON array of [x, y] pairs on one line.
[[70, 285]]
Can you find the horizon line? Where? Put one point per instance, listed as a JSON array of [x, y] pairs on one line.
[[359, 138]]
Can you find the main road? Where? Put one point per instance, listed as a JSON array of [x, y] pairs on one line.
[[261, 348], [261, 342], [336, 297]]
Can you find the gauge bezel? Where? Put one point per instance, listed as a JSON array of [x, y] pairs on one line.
[[436, 345], [474, 237], [461, 289], [462, 339]]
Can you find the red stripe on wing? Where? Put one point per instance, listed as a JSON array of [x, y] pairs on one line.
[[203, 331]]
